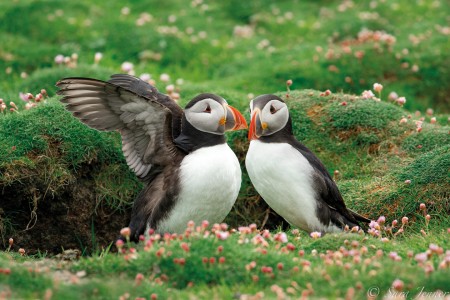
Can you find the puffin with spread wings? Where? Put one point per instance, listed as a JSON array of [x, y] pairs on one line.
[[189, 171], [290, 178]]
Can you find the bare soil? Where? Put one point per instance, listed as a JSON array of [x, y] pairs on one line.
[[71, 218]]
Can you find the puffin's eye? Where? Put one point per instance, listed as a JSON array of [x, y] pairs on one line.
[[272, 109], [207, 109]]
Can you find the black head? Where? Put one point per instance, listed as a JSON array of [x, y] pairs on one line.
[[211, 113], [206, 119]]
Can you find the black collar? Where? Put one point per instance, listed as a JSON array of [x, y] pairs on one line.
[[192, 139]]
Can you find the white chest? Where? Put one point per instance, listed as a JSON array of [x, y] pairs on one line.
[[283, 177], [210, 179]]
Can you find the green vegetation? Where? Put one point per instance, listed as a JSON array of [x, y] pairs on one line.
[[338, 45], [214, 265], [65, 186]]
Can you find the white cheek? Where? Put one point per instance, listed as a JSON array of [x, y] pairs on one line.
[[206, 122], [276, 121]]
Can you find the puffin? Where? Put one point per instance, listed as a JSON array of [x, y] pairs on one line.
[[188, 170], [288, 176]]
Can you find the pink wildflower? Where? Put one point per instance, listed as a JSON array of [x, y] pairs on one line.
[[145, 76], [244, 230], [377, 87], [59, 59], [281, 237], [205, 224], [164, 77], [97, 57], [185, 247], [421, 257], [138, 279], [126, 231], [119, 244], [393, 96], [223, 235], [398, 285], [253, 227], [315, 234], [127, 67], [367, 94], [170, 88], [401, 100]]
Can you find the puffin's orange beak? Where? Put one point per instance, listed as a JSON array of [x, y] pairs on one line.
[[238, 121], [252, 135]]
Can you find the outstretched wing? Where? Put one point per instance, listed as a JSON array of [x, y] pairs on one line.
[[143, 116]]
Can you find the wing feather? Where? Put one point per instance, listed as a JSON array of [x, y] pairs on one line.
[[329, 192], [143, 116]]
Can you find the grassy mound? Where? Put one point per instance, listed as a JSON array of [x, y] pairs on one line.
[[57, 173]]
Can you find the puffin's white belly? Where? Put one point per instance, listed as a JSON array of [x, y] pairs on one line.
[[210, 179], [283, 177]]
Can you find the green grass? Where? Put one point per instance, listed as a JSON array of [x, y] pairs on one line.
[[199, 43], [330, 267]]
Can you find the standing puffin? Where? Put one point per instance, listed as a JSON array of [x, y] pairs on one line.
[[290, 178], [189, 171]]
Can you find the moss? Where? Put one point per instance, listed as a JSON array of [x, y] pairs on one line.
[[431, 137], [363, 113], [430, 168], [389, 195], [30, 133]]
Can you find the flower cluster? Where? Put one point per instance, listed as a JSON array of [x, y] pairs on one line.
[[366, 35], [172, 89], [29, 99], [244, 31], [377, 87], [385, 231], [69, 61]]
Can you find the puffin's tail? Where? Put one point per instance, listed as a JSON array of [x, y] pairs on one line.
[[358, 217]]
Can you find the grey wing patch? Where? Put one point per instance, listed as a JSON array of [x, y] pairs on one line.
[[131, 153], [144, 124]]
